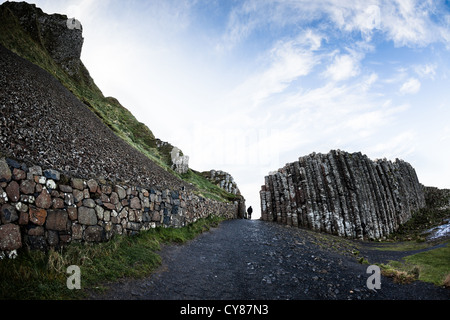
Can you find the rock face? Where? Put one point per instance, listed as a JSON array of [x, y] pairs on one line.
[[180, 163], [60, 36], [223, 180], [226, 182], [341, 193]]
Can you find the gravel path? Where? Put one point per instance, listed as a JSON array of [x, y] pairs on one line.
[[253, 259]]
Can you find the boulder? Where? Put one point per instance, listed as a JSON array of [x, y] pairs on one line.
[[52, 174], [12, 190], [135, 203], [93, 234], [27, 186], [92, 185]]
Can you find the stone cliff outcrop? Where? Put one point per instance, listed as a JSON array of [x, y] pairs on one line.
[[180, 162], [226, 182], [59, 35], [223, 180], [341, 193], [54, 42]]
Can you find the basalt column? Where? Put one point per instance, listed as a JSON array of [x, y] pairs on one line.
[[342, 193]]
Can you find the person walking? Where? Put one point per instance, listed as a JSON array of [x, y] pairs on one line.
[[249, 212]]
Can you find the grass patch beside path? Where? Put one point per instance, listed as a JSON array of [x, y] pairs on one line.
[[429, 266], [36, 275], [402, 246]]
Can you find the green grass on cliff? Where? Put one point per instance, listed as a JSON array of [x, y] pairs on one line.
[[120, 120], [36, 275]]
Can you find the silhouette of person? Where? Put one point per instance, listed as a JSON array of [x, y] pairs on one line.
[[249, 212]]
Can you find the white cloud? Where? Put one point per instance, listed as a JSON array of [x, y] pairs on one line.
[[411, 86], [406, 22], [426, 70], [399, 146], [250, 15], [343, 67], [369, 81], [413, 23], [285, 63], [355, 16]]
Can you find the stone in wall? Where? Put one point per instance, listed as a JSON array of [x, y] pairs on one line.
[[341, 193]]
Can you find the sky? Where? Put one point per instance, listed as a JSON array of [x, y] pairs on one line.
[[247, 86]]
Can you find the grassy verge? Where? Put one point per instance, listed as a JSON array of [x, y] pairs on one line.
[[430, 266], [39, 275], [403, 246]]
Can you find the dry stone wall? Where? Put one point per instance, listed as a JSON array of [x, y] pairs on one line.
[[342, 193], [42, 208]]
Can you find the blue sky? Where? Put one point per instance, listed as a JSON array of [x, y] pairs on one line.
[[248, 86]]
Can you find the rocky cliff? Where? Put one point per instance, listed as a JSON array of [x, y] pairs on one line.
[[59, 35], [341, 193]]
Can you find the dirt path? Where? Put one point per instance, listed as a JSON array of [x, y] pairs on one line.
[[252, 259]]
